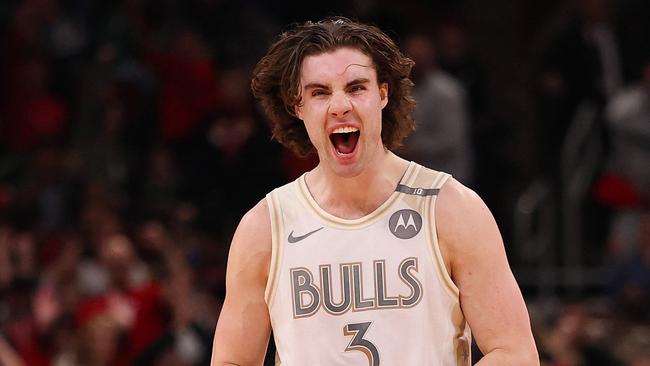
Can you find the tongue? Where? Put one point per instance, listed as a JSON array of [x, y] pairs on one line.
[[345, 142]]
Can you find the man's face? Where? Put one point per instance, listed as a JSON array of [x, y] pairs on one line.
[[341, 108]]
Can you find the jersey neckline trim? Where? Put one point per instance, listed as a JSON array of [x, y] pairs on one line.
[[305, 196]]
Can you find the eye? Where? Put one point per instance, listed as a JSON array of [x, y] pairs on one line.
[[318, 92], [357, 88]]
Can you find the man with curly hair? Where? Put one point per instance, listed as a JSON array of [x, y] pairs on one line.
[[368, 259]]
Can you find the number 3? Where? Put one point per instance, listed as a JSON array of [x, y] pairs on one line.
[[358, 330]]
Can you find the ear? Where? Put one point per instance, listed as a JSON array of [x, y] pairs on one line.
[[297, 110], [383, 94]]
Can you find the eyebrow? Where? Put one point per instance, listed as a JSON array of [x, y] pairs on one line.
[[317, 85]]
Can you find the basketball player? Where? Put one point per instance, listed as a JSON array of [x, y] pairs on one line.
[[368, 259]]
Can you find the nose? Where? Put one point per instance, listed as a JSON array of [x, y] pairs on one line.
[[340, 104]]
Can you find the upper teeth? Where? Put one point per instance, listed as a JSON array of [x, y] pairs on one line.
[[346, 129]]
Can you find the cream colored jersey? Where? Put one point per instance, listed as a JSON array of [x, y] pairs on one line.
[[369, 291]]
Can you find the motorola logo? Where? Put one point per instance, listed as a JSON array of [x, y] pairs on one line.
[[405, 224]]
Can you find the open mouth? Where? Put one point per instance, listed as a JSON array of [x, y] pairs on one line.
[[345, 139]]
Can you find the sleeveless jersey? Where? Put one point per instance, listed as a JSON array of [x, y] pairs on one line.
[[369, 291]]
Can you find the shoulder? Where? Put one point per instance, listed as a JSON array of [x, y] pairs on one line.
[[251, 245], [489, 295], [455, 200], [256, 221], [463, 222]]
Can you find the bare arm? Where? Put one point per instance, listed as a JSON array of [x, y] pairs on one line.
[[244, 327], [489, 295]]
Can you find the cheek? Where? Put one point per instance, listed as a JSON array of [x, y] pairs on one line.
[[313, 116], [373, 117], [314, 131], [311, 133]]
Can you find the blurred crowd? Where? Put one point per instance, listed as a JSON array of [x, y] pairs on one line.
[[130, 146]]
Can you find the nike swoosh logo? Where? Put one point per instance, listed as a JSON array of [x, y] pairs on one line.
[[294, 239]]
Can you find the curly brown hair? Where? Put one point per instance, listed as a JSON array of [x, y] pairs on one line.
[[276, 77]]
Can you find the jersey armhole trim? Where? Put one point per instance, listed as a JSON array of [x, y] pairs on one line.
[[432, 233], [276, 247]]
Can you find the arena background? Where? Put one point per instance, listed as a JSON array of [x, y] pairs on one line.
[[130, 146]]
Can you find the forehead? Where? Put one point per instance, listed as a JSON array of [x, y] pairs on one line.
[[341, 63]]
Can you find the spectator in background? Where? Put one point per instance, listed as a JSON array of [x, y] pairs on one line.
[[630, 277], [581, 69], [229, 161], [97, 344], [33, 115], [441, 139], [186, 339], [103, 159], [455, 57], [577, 338], [131, 298], [625, 183], [580, 63], [627, 118], [188, 83], [30, 113], [161, 183], [491, 138], [39, 309]]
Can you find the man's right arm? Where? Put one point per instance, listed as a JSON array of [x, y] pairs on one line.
[[244, 326]]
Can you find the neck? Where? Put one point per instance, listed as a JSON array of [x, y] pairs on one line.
[[355, 197]]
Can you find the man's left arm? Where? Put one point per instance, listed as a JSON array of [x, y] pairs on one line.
[[489, 295]]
